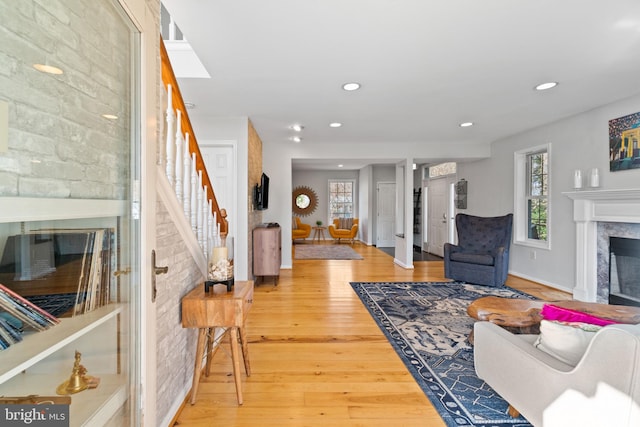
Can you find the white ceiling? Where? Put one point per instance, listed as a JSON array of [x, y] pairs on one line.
[[425, 65]]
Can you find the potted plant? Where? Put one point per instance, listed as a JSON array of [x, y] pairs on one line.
[[319, 223]]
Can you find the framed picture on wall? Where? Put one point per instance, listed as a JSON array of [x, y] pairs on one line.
[[624, 143]]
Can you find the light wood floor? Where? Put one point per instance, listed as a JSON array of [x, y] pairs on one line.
[[317, 356]]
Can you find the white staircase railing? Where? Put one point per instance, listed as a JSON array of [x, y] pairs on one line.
[[187, 181]]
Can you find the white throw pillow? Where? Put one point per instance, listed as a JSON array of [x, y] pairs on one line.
[[565, 341]]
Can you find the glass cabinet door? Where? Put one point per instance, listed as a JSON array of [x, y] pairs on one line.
[[69, 225]]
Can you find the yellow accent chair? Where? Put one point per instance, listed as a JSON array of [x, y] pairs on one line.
[[300, 229], [344, 228]]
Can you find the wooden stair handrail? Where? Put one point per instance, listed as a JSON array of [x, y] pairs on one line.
[[169, 77]]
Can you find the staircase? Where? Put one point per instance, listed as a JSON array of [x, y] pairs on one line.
[[183, 165]]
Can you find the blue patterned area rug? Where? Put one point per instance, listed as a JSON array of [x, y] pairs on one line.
[[428, 326]]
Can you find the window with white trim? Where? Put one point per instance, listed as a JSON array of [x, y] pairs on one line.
[[341, 199], [532, 206]]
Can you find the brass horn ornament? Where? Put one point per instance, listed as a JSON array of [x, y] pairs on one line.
[[79, 380]]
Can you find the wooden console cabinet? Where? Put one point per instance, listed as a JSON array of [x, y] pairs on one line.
[[267, 251]]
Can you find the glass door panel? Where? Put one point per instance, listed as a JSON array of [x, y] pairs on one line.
[[69, 235]]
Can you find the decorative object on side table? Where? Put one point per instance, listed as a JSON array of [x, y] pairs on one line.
[[220, 271], [319, 223], [79, 380]]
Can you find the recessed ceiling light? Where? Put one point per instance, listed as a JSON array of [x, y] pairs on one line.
[[49, 69], [110, 116], [297, 128], [351, 86], [296, 139], [545, 86], [340, 166], [335, 124], [466, 124]]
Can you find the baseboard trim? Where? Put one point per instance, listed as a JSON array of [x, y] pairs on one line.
[[541, 282]]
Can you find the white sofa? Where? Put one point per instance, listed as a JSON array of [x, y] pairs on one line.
[[603, 389]]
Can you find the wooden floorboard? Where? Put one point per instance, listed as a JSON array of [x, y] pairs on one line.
[[318, 358]]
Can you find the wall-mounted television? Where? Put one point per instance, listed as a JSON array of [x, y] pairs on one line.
[[261, 193]]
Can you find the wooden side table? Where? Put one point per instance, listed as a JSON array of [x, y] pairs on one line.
[[317, 232], [218, 308]]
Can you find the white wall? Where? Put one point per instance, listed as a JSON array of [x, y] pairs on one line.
[[235, 130], [277, 158], [365, 204], [579, 142], [381, 173]]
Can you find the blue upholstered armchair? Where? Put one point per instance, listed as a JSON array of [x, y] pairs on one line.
[[482, 254]]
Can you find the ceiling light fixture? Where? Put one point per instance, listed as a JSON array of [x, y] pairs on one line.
[[545, 86], [466, 124], [351, 86], [296, 139], [49, 69], [340, 166], [297, 128], [335, 125], [110, 116]]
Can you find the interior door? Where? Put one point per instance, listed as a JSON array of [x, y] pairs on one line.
[[438, 230], [219, 159], [386, 207]]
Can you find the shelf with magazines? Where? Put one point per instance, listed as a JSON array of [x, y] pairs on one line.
[[65, 294]]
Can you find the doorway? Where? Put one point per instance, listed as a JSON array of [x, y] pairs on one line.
[[439, 213]]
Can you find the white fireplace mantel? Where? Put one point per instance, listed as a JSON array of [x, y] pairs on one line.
[[589, 208]]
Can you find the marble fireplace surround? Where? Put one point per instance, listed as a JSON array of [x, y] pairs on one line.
[[589, 209]]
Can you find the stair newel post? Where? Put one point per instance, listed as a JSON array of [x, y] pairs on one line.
[[170, 170], [194, 190], [186, 158], [179, 163]]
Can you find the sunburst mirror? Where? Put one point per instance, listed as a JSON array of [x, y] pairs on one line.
[[305, 201]]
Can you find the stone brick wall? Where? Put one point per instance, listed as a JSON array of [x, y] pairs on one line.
[[60, 145], [175, 345], [255, 172]]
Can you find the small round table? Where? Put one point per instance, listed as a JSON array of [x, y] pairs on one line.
[[317, 232]]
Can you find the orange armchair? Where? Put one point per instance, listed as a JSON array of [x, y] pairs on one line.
[[344, 228], [300, 229]]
